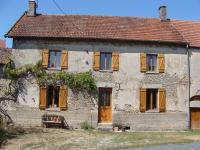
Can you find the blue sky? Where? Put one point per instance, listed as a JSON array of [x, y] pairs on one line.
[[11, 10]]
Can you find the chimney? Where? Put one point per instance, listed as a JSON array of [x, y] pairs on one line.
[[163, 13], [32, 8]]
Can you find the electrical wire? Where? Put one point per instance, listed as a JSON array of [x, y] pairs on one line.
[[62, 11]]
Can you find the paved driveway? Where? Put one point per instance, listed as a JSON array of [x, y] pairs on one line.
[[188, 146]]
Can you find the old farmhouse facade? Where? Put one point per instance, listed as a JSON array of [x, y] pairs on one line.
[[147, 69]]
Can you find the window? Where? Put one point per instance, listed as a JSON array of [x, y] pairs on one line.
[[54, 59], [151, 99], [105, 61], [104, 96], [151, 62], [53, 96]]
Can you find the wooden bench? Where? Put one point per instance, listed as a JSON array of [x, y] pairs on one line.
[[55, 121]]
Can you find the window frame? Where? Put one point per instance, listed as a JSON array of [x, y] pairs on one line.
[[151, 100], [108, 91], [106, 61], [54, 68], [156, 70]]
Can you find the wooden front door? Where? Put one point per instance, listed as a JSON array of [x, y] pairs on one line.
[[105, 105], [195, 118]]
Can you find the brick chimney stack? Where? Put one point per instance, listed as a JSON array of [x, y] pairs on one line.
[[32, 8], [163, 13]]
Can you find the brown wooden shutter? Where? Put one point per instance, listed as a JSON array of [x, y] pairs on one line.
[[162, 100], [63, 94], [143, 100], [43, 97], [45, 58], [64, 59], [161, 63], [143, 65], [96, 61], [115, 61]]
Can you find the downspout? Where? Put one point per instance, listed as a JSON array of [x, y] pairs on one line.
[[189, 84]]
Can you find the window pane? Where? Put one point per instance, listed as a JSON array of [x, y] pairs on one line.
[[154, 57], [107, 99], [102, 67], [108, 57], [58, 59], [51, 59]]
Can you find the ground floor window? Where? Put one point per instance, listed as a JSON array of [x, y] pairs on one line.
[[152, 100], [53, 97]]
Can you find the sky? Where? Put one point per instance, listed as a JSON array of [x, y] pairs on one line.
[[11, 10]]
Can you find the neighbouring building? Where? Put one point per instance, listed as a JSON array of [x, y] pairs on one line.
[[143, 67]]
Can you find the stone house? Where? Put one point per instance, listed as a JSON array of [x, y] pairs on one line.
[[147, 69]]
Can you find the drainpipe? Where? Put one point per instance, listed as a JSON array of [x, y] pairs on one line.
[[188, 61]]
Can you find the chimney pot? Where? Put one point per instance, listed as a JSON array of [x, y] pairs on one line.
[[163, 13], [32, 8]]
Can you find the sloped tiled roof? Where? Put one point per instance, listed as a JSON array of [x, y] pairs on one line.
[[107, 27]]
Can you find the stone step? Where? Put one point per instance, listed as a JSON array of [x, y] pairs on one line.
[[105, 126]]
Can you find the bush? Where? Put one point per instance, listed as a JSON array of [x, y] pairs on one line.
[[86, 126]]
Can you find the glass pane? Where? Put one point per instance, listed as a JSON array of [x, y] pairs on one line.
[[51, 59], [154, 58], [102, 67], [58, 59], [108, 57], [107, 99], [148, 63]]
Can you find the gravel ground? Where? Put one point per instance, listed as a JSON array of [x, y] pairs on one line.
[[58, 139]]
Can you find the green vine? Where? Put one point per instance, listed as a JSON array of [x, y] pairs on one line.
[[75, 81]]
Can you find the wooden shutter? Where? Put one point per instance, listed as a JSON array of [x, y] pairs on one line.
[[45, 58], [64, 59], [63, 94], [162, 100], [43, 98], [115, 61], [161, 63], [142, 100], [96, 61], [143, 65]]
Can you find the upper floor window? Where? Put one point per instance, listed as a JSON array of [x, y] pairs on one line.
[[54, 59], [105, 61], [151, 62]]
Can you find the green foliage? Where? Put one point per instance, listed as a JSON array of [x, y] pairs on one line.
[[75, 81], [86, 126]]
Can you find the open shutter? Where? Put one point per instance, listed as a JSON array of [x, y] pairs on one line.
[[142, 100], [63, 94], [64, 59], [162, 100], [161, 63], [96, 61], [115, 61], [45, 58], [143, 65], [43, 97]]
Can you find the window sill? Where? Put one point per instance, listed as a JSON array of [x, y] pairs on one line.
[[152, 72], [56, 109], [110, 71], [152, 111], [54, 69]]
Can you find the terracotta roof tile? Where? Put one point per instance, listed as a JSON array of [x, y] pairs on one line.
[[107, 27]]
